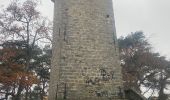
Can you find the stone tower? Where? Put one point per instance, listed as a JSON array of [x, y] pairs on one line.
[[85, 63]]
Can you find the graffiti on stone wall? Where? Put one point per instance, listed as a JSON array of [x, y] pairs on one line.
[[103, 75], [106, 76]]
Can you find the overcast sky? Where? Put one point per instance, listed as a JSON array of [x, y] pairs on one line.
[[150, 16]]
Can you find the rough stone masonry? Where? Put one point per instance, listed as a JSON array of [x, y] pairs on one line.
[[85, 62]]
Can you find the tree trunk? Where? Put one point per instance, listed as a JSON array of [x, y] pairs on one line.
[[26, 93], [18, 95], [162, 95]]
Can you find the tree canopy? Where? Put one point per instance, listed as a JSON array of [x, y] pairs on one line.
[[142, 67], [25, 50]]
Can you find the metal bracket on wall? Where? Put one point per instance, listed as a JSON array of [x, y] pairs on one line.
[[61, 89]]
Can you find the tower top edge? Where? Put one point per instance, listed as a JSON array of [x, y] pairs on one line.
[[52, 0]]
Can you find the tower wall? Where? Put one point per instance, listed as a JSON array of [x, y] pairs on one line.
[[85, 62]]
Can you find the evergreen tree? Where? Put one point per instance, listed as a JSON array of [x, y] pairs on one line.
[[142, 67]]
